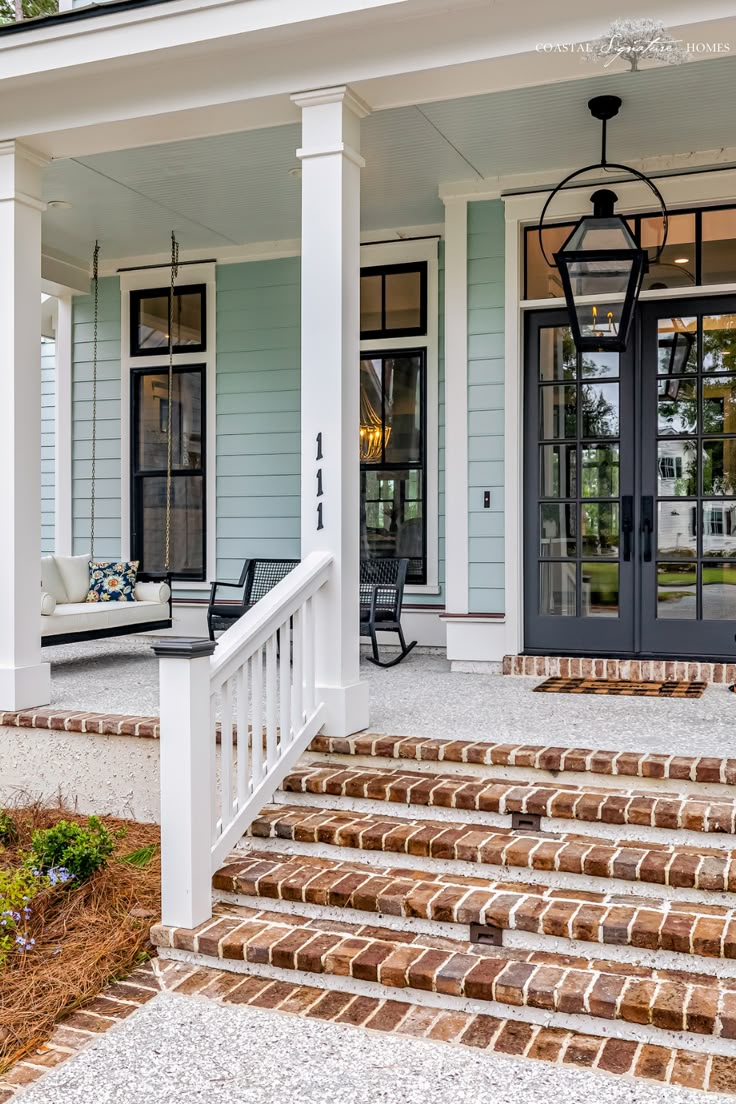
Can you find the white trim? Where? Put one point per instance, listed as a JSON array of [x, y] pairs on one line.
[[456, 405], [144, 278], [404, 252], [63, 429]]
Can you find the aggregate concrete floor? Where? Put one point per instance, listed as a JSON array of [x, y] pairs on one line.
[[184, 1050], [422, 697]]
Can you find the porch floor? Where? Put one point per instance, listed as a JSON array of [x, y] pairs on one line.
[[422, 697]]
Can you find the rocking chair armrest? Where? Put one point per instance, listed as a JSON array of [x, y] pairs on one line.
[[223, 583], [372, 608]]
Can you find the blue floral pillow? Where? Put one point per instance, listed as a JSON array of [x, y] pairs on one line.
[[112, 581]]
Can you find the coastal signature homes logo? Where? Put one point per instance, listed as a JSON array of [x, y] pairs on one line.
[[636, 41]]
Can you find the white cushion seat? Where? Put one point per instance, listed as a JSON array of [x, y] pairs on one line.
[[73, 617]]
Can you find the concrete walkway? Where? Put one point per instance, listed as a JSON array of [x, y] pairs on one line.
[[422, 697], [186, 1050]]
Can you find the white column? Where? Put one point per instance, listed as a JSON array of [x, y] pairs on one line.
[[63, 428], [330, 377], [24, 679]]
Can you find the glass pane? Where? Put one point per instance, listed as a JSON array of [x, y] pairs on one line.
[[403, 300], [543, 281], [677, 406], [677, 349], [371, 312], [719, 467], [371, 411], [153, 321], [719, 529], [719, 404], [153, 420], [557, 355], [402, 378], [600, 590], [719, 343], [187, 523], [392, 517], [599, 403], [600, 528], [557, 589], [557, 530], [677, 468], [718, 255], [676, 591], [676, 266], [601, 365], [557, 412], [558, 471], [676, 529], [719, 592], [600, 464]]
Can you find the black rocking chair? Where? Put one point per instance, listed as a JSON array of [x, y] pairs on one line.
[[381, 596], [256, 579]]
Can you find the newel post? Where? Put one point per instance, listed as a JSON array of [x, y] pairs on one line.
[[186, 781]]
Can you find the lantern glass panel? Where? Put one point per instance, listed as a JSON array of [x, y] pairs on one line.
[[600, 233]]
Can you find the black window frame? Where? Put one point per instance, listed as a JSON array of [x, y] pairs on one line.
[[385, 333], [138, 476], [136, 298], [413, 578], [635, 221]]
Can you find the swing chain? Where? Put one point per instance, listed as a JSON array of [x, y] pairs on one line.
[[96, 288], [174, 274]]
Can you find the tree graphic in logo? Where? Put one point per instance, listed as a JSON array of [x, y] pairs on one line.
[[636, 41]]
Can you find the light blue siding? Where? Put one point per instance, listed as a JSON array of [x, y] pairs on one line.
[[48, 445], [107, 482], [485, 405]]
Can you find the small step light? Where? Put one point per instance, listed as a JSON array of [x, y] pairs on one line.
[[526, 822], [487, 935]]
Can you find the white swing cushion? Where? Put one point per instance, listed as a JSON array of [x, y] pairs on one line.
[[74, 571], [151, 592], [51, 580], [48, 603], [76, 617]]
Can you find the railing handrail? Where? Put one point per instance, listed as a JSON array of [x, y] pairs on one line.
[[251, 631]]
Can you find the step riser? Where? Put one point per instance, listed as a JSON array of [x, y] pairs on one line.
[[558, 879], [615, 783], [591, 1025], [633, 832], [512, 938]]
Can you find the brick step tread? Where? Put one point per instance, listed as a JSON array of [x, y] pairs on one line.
[[559, 800], [679, 866], [684, 927], [619, 1057], [669, 1000], [624, 764]]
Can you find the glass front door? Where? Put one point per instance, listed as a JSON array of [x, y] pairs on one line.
[[630, 486]]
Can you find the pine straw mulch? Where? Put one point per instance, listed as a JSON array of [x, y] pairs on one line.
[[86, 935]]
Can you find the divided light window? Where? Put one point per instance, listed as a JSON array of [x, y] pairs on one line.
[[149, 320], [393, 301]]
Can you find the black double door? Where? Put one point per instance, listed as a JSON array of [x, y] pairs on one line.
[[630, 486]]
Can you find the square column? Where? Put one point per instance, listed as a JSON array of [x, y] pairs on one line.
[[24, 679], [330, 389]]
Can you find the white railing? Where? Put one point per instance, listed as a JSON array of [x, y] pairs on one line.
[[233, 723]]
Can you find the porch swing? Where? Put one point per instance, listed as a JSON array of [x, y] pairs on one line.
[[67, 615]]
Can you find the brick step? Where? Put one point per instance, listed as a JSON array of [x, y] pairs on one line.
[[623, 813], [651, 772], [583, 994], [582, 862], [636, 670], [682, 935]]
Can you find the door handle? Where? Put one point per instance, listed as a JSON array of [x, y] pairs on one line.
[[627, 523], [647, 526]]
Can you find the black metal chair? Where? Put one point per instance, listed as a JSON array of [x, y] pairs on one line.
[[381, 596], [256, 579]]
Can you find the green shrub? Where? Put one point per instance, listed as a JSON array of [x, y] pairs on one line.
[[71, 848], [8, 829]]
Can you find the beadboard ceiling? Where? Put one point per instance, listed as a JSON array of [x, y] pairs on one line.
[[233, 189]]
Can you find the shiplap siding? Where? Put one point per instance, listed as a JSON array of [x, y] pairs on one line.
[[486, 405], [107, 498], [48, 445]]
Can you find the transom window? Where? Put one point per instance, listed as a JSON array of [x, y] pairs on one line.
[[393, 301], [149, 320], [700, 250]]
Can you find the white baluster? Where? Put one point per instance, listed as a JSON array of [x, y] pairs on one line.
[[256, 736], [309, 695], [297, 699], [285, 686], [244, 786], [226, 753], [271, 703], [212, 737]]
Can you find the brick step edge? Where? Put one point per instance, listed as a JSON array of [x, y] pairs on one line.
[[558, 1046], [667, 1001], [709, 815], [633, 669], [624, 764], [642, 924]]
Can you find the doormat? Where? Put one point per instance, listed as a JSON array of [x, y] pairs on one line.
[[650, 688]]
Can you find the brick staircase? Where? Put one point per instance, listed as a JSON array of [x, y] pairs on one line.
[[389, 868]]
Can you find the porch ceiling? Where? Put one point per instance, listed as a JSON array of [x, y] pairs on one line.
[[233, 189]]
